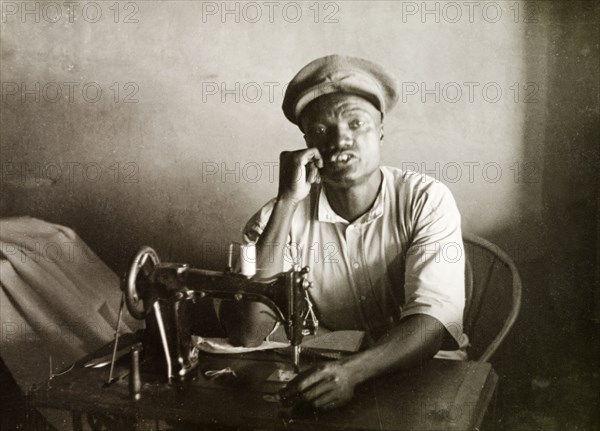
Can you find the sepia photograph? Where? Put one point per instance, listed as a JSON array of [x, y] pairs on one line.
[[300, 215]]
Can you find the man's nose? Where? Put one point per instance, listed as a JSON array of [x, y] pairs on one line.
[[341, 137]]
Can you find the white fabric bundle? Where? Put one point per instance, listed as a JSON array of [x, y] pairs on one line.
[[57, 299]]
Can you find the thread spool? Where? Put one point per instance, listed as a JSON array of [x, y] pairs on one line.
[[248, 259]]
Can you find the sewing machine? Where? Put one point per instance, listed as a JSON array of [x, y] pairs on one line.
[[162, 294]]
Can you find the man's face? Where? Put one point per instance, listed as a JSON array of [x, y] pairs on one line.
[[346, 129]]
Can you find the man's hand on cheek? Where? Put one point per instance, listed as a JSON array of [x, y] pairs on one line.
[[297, 172], [324, 387]]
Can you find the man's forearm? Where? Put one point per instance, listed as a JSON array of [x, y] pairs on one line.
[[249, 323], [416, 339], [270, 248]]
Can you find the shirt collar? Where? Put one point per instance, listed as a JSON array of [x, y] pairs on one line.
[[326, 214]]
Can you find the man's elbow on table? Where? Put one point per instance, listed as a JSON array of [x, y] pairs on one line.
[[247, 324], [416, 339]]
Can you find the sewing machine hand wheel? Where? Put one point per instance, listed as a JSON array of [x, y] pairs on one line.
[[134, 303]]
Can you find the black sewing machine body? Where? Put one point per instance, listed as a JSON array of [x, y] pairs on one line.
[[165, 295]]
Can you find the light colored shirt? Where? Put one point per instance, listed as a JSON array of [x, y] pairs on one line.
[[405, 256]]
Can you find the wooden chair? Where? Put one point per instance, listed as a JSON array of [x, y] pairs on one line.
[[493, 296]]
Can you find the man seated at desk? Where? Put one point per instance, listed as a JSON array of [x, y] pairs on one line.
[[382, 234]]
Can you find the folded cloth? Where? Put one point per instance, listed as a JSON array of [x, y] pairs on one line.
[[326, 343], [223, 346], [58, 300]]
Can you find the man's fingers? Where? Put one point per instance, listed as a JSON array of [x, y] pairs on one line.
[[311, 155], [318, 159], [291, 389], [312, 378], [301, 158], [298, 171], [301, 382], [313, 173], [315, 391], [327, 401]]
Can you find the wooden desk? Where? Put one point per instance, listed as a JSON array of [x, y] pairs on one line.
[[442, 395]]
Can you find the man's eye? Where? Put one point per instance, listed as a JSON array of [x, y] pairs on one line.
[[355, 124]]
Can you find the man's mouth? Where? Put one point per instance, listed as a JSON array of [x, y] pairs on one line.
[[341, 158]]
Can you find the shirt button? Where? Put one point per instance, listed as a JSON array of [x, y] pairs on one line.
[[363, 297], [355, 265]]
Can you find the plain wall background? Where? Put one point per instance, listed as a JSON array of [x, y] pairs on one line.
[[167, 146], [194, 154]]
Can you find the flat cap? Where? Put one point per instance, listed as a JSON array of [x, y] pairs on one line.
[[339, 74]]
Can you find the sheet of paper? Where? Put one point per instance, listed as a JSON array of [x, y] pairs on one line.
[[325, 342], [222, 345]]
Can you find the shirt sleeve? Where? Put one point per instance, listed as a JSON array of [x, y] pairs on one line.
[[255, 227], [435, 261], [257, 223]]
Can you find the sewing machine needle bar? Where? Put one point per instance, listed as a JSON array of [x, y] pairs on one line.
[[297, 358]]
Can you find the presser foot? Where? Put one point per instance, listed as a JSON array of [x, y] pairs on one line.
[[189, 366], [184, 373]]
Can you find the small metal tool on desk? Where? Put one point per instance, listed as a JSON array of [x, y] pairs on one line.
[[135, 382]]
